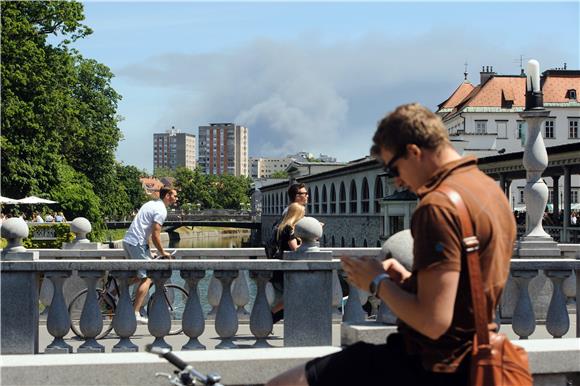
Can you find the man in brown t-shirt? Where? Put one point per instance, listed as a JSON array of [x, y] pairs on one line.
[[433, 302]]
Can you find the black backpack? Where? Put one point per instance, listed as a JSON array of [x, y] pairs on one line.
[[272, 246]]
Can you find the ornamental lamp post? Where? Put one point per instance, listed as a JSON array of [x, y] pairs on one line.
[[535, 242]]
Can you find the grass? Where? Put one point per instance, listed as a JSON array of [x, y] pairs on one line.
[[112, 234]]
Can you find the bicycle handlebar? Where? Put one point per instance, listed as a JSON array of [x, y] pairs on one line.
[[167, 354]]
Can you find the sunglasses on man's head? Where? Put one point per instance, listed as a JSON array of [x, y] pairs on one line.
[[391, 170]]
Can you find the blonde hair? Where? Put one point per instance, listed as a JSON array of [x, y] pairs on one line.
[[293, 215]]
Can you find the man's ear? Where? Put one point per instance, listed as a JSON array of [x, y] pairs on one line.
[[414, 150]]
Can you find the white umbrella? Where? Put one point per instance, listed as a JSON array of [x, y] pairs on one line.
[[35, 200], [6, 200]]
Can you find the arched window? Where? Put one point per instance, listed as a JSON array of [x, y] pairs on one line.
[[342, 244], [353, 243], [365, 196], [324, 240], [342, 199], [276, 203], [353, 197], [324, 200], [309, 201], [316, 201], [332, 241], [332, 199], [365, 244], [378, 193]]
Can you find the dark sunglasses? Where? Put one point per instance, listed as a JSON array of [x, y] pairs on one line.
[[393, 171], [302, 194]]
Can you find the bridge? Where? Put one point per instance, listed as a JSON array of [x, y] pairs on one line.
[[223, 218]]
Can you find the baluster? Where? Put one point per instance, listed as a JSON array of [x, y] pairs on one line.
[[524, 319], [214, 294], [353, 311], [124, 321], [270, 293], [557, 321], [241, 295], [569, 287], [226, 320], [193, 320], [261, 317], [91, 323], [58, 321], [158, 313], [336, 296]]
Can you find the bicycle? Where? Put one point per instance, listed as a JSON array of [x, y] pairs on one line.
[[107, 298], [187, 376]]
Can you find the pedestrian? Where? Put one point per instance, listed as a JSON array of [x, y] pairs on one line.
[[432, 301], [59, 217], [147, 223], [573, 218]]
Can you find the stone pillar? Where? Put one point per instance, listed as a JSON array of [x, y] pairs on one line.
[[557, 321], [556, 194], [567, 202], [193, 320], [124, 321], [226, 319], [308, 323], [159, 323], [58, 320], [80, 226], [536, 242], [91, 322], [19, 294], [261, 316]]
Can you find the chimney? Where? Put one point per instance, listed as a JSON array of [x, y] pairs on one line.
[[486, 73]]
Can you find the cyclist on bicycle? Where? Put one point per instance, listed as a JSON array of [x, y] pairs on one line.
[[147, 223]]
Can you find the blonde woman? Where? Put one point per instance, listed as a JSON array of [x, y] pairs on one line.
[[287, 241]]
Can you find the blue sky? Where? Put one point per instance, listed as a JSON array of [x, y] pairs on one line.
[[307, 76]]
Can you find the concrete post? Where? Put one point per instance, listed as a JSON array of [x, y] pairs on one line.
[[261, 316], [80, 226], [19, 297], [557, 321], [241, 295], [58, 320], [308, 323], [193, 320], [226, 320], [524, 320], [158, 311], [91, 322], [353, 311], [124, 321], [214, 294]]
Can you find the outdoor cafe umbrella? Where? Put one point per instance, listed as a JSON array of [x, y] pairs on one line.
[[35, 200], [8, 201]]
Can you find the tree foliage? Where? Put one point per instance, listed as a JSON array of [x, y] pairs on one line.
[[211, 191], [59, 122]]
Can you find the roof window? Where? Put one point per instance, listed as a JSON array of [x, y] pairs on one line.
[[571, 94]]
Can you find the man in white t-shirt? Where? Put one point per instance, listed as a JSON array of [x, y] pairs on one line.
[[147, 222]]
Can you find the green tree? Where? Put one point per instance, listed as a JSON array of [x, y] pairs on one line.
[[279, 174], [59, 122]]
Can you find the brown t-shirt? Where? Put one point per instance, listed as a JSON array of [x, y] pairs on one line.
[[437, 245]]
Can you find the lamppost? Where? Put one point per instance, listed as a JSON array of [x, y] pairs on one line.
[[535, 242]]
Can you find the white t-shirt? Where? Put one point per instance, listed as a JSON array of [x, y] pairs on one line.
[[142, 225]]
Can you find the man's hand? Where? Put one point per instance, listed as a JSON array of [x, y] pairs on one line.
[[396, 271], [361, 271]]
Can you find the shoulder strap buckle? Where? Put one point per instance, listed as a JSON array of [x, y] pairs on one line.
[[470, 244]]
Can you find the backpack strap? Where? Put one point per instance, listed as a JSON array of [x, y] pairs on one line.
[[470, 245]]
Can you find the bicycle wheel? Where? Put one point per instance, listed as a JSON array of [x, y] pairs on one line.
[[106, 304], [176, 297]]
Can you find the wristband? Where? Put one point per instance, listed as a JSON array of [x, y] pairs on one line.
[[376, 283]]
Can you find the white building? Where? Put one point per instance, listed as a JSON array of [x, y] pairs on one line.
[[223, 149], [264, 167], [484, 120], [174, 149]]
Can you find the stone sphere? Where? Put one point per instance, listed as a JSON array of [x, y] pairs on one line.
[[308, 229], [14, 228], [400, 247], [80, 225]]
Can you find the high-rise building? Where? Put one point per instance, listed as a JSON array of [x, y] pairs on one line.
[[173, 149], [223, 149]]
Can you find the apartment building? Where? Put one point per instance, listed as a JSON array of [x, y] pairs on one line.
[[263, 167], [174, 149], [223, 149]]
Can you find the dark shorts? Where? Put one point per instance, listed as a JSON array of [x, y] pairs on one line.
[[386, 364]]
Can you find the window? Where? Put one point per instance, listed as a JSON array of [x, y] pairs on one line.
[[480, 127], [396, 224], [501, 129], [378, 193], [342, 199], [324, 199], [549, 128], [353, 197], [332, 200], [521, 196], [521, 132], [571, 94], [573, 128], [574, 197], [365, 196], [309, 202], [316, 201]]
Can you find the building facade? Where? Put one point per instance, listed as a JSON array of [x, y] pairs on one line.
[[223, 149], [264, 167], [174, 149], [484, 120]]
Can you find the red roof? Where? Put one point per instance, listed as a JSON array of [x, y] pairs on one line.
[[458, 95], [555, 87]]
